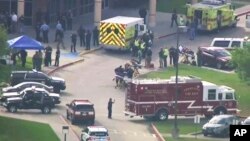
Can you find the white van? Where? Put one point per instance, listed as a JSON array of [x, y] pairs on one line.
[[228, 43]]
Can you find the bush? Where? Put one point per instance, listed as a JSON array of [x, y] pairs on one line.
[[3, 41]]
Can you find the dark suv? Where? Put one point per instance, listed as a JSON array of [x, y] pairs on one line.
[[17, 77], [30, 100], [81, 110], [219, 125]]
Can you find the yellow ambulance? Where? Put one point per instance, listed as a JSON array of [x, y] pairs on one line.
[[118, 32], [205, 14]]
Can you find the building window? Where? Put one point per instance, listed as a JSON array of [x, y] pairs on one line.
[[211, 94]]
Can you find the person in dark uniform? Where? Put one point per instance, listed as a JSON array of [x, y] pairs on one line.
[[174, 18], [47, 58], [81, 33], [23, 55], [171, 54], [37, 29], [199, 57], [175, 57], [88, 40], [57, 57], [96, 37], [73, 42], [143, 14], [110, 104]]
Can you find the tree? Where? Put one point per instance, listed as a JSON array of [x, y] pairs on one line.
[[3, 41], [241, 59]]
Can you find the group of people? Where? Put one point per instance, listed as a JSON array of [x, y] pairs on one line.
[[11, 22], [141, 48], [164, 53]]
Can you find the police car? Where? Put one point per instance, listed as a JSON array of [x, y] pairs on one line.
[[95, 133]]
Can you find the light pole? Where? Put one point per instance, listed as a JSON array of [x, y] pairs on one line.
[[175, 132], [65, 131]]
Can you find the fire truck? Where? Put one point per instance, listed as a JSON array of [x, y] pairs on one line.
[[156, 98]]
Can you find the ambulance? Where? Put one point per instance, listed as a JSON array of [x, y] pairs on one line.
[[205, 14], [118, 32]]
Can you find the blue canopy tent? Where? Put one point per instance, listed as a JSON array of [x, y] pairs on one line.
[[25, 42]]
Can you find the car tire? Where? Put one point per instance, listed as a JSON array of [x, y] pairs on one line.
[[56, 90], [205, 134], [219, 65], [220, 110], [162, 115], [46, 110], [12, 109], [72, 120]]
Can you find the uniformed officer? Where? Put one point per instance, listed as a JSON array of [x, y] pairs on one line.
[[110, 104], [165, 56]]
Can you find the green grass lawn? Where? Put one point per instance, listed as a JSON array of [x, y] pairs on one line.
[[219, 78], [6, 69], [22, 130]]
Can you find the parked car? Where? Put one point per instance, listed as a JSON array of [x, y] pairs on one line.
[[30, 100], [246, 121], [228, 43], [17, 77], [6, 60], [216, 57], [80, 110], [95, 133], [219, 125], [21, 86], [31, 90]]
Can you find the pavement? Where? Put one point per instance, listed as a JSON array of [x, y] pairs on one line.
[[67, 58]]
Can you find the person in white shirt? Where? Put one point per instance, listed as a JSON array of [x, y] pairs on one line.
[[14, 22]]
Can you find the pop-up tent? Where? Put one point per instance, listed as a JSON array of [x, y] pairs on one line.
[[25, 42]]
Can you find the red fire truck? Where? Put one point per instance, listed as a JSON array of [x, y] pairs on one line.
[[149, 98]]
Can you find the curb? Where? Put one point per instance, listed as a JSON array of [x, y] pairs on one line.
[[74, 62], [157, 133]]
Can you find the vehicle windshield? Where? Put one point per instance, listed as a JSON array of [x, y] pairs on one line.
[[222, 53], [246, 122], [217, 121], [99, 134], [84, 107]]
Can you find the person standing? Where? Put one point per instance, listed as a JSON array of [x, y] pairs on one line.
[[171, 54], [176, 57], [69, 20], [161, 57], [60, 39], [21, 24], [165, 56], [47, 58], [139, 55], [45, 31], [219, 19], [174, 18], [23, 55], [58, 30], [73, 42], [143, 14], [199, 57], [192, 31], [14, 22], [88, 40], [148, 57], [96, 36], [34, 60], [37, 30], [57, 57], [39, 60], [110, 104], [81, 33]]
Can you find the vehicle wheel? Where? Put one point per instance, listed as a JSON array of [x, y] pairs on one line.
[[162, 115], [56, 90], [72, 120], [205, 134], [220, 111], [12, 109], [92, 122], [218, 65], [46, 110], [67, 115]]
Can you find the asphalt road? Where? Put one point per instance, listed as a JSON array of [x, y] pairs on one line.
[[92, 80]]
